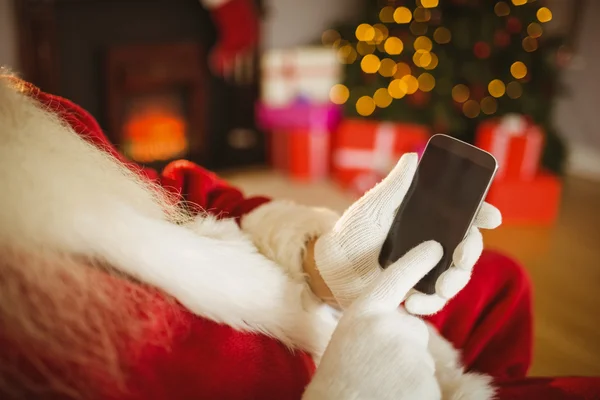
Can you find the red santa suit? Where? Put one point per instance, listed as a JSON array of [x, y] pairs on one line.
[[184, 356]]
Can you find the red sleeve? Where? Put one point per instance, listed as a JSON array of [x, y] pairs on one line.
[[202, 189]]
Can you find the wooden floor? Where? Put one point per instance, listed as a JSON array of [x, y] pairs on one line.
[[563, 262]]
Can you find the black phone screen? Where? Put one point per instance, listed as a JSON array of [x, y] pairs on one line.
[[449, 186]]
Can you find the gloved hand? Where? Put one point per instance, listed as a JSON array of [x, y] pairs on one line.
[[347, 256], [378, 350]]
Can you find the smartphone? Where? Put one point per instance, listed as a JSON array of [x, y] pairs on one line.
[[451, 182]]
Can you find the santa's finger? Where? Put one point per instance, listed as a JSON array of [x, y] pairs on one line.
[[468, 251], [488, 217], [451, 282], [424, 304]]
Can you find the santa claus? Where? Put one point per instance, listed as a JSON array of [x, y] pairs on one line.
[[110, 290]]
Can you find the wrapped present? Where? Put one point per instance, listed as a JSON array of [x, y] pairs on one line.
[[516, 143], [306, 72], [365, 151], [300, 137], [534, 202]]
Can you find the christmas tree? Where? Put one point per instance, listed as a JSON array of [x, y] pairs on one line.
[[450, 64]]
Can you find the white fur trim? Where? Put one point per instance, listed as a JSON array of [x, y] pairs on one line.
[[65, 195], [454, 383], [280, 230]]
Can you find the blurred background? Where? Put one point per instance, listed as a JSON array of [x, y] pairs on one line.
[[315, 100]]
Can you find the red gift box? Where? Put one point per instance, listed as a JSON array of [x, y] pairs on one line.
[[516, 144], [534, 202], [365, 151]]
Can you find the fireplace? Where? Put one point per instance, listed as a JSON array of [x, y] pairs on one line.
[[140, 68]]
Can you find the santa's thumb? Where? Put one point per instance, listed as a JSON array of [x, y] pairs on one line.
[[394, 283]]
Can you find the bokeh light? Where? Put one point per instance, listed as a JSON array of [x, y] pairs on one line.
[[496, 88], [402, 69], [530, 44], [365, 48], [365, 32], [365, 106], [397, 88], [346, 54], [460, 93], [433, 63], [411, 83], [429, 3], [387, 67], [544, 14], [402, 15], [381, 33], [393, 46], [426, 82], [421, 14], [502, 9], [370, 63], [489, 105], [518, 69], [534, 30], [423, 43], [514, 90], [519, 2], [382, 98], [442, 35], [329, 37], [339, 94], [471, 109]]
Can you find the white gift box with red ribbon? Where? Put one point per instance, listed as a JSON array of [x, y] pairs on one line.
[[516, 144], [306, 73]]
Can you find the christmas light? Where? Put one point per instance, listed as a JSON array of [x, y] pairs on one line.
[[381, 33], [382, 98], [365, 32], [402, 69], [442, 35], [365, 48], [502, 9], [418, 28], [402, 15], [544, 14], [519, 2], [534, 30], [429, 3], [518, 70], [460, 93], [370, 63], [529, 44], [514, 90], [397, 88], [365, 106], [433, 63], [329, 37], [489, 105], [426, 82], [387, 67], [471, 109], [496, 88], [422, 58], [421, 14], [393, 45], [411, 83], [346, 54], [339, 94], [422, 43]]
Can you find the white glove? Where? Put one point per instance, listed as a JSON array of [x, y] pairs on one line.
[[347, 255], [378, 350]]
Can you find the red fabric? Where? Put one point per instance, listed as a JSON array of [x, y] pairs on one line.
[[186, 357], [491, 319], [237, 25]]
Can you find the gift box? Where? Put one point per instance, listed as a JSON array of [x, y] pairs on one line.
[[365, 151], [300, 137], [534, 202], [306, 72], [516, 143]]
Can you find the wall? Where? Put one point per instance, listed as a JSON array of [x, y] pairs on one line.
[[8, 45], [577, 111]]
